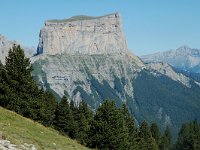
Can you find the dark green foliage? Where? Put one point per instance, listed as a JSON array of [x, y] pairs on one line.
[[166, 140], [75, 114], [105, 91], [91, 100], [85, 118], [118, 85], [145, 141], [111, 127], [130, 124], [20, 90], [153, 93], [108, 130], [4, 89], [189, 137], [48, 109], [155, 132], [19, 70], [64, 120]]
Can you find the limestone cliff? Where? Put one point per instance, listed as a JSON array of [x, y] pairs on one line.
[[87, 58], [83, 35]]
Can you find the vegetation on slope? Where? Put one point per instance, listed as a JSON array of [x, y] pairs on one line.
[[111, 127], [20, 130]]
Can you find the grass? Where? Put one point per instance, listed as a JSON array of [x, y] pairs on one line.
[[76, 18], [20, 130]]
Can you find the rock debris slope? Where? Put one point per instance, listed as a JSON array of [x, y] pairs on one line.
[[88, 59]]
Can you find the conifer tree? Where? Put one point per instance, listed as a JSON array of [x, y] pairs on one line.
[[75, 114], [145, 139], [166, 140], [108, 130], [48, 108], [19, 70], [155, 132], [85, 118], [4, 89], [64, 118], [21, 83], [130, 124], [189, 137]]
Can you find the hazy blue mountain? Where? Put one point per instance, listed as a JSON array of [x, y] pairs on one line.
[[184, 58]]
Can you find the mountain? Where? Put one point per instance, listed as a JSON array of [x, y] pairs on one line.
[[27, 134], [183, 58], [6, 44], [84, 35], [88, 59]]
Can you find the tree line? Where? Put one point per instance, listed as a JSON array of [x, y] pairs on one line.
[[107, 128]]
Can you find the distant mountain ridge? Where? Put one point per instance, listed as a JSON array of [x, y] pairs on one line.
[[6, 44], [184, 58]]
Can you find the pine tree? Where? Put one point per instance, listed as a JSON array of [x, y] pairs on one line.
[[145, 139], [166, 140], [189, 137], [108, 130], [47, 111], [19, 70], [4, 89], [21, 83], [85, 119], [155, 132], [75, 114], [64, 118], [130, 124]]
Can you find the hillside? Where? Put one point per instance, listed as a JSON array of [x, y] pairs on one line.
[[20, 130]]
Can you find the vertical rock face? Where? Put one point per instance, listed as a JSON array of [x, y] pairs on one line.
[[83, 35]]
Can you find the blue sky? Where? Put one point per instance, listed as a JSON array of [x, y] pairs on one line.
[[149, 25]]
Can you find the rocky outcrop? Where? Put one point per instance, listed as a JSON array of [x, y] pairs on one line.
[[7, 145], [64, 73], [166, 69], [6, 45], [83, 35]]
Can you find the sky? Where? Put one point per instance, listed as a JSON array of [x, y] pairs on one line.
[[149, 25]]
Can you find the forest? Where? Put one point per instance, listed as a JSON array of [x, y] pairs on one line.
[[109, 127]]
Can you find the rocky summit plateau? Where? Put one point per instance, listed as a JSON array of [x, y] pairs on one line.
[[83, 35], [87, 59]]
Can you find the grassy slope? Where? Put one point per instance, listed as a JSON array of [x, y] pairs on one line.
[[20, 130]]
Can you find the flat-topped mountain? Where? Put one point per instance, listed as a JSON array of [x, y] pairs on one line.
[[87, 59], [83, 35]]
